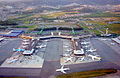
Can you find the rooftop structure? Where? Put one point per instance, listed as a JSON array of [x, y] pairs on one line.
[[13, 33], [79, 52]]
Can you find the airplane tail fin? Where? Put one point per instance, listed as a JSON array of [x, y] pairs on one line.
[[14, 49]]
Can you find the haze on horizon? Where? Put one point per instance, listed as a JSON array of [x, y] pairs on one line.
[[64, 2]]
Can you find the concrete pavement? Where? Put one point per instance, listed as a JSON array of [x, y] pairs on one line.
[[110, 59], [6, 50]]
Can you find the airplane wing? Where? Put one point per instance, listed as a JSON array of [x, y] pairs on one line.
[[63, 71], [62, 67], [66, 68]]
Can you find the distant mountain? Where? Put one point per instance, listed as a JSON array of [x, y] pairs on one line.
[[66, 2], [72, 4]]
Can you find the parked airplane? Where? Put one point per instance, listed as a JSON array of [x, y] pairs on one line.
[[69, 59], [25, 43], [13, 59], [46, 40], [26, 40], [94, 57], [66, 46], [66, 55], [18, 50], [85, 42], [41, 46], [82, 58], [69, 50], [1, 39], [112, 43], [28, 52], [91, 50], [24, 46], [62, 69]]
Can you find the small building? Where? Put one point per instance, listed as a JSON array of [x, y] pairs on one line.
[[59, 21]]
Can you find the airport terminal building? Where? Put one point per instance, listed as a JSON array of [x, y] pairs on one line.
[[13, 33]]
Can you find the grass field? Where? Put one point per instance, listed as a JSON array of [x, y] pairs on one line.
[[87, 28], [32, 27], [103, 15], [61, 24], [53, 15], [114, 28], [88, 74]]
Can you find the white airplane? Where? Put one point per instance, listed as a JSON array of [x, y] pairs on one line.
[[62, 69], [94, 57], [66, 55], [28, 52], [69, 59], [24, 46], [85, 42], [66, 46], [91, 50], [18, 50], [25, 43], [112, 43], [25, 40], [69, 50], [82, 58], [41, 46], [46, 40], [1, 39]]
